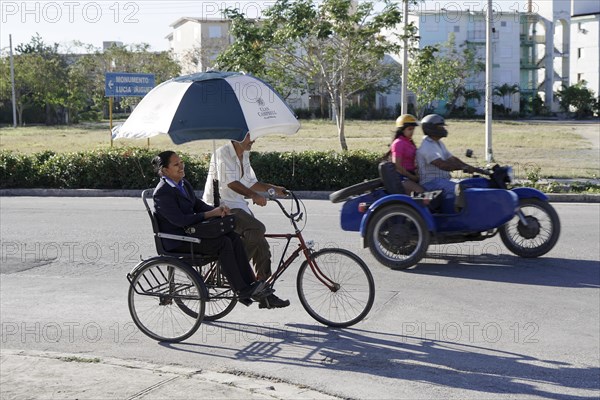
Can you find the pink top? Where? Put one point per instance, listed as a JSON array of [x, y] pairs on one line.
[[406, 151]]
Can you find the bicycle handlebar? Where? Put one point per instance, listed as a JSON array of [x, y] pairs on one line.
[[297, 216]]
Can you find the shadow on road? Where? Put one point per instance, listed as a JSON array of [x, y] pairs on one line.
[[544, 271], [396, 356]]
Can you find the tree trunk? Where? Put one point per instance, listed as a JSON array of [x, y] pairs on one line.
[[20, 114], [48, 114], [340, 121]]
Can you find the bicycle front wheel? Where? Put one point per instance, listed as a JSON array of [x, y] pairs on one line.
[[166, 300], [336, 288]]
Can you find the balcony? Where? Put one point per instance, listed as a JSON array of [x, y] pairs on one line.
[[532, 39], [478, 36]]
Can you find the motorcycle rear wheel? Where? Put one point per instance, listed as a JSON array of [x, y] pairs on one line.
[[539, 235]]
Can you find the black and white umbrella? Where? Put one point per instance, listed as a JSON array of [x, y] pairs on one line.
[[210, 105]]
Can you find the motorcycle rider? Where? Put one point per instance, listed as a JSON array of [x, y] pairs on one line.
[[435, 161]]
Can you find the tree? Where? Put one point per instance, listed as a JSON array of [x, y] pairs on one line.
[[337, 46], [68, 85], [29, 87], [504, 91], [39, 75], [441, 72], [578, 98], [85, 98]]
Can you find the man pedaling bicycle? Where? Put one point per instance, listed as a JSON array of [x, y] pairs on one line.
[[230, 165]]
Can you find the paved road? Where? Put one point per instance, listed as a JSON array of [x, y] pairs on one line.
[[471, 321]]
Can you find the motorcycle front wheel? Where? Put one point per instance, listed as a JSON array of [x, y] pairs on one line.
[[537, 235]]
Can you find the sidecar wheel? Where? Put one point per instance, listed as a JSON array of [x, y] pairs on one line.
[[539, 235], [398, 236]]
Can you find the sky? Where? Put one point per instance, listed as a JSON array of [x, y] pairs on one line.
[[93, 22]]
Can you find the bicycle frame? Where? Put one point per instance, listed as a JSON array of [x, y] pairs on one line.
[[303, 247]]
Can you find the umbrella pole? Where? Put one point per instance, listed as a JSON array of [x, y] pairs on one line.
[[216, 194]]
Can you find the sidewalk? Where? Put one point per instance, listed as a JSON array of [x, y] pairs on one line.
[[43, 375]]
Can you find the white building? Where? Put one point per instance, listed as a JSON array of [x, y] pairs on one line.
[[469, 28], [585, 39], [196, 42], [551, 44]]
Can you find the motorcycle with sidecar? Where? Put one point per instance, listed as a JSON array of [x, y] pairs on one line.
[[398, 227]]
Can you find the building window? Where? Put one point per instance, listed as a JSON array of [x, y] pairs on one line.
[[214, 31], [503, 24], [456, 28], [580, 52], [579, 78]]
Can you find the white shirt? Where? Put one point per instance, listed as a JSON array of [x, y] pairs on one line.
[[431, 150], [225, 166]]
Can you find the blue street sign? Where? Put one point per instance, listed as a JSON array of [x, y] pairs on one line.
[[121, 84]]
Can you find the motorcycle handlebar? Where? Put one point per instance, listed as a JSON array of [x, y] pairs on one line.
[[478, 171]]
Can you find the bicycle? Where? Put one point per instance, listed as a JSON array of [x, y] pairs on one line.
[[171, 294]]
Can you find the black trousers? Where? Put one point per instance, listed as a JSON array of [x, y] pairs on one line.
[[232, 256]]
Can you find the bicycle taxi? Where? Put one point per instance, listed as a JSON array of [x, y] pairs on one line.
[[171, 294]]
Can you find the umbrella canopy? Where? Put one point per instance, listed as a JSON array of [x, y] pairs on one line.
[[210, 105]]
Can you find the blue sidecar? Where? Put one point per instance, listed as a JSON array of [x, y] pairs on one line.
[[398, 228]]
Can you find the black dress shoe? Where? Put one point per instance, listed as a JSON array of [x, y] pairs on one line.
[[253, 290], [272, 301], [246, 302]]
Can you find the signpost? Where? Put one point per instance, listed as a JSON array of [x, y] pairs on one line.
[[121, 84]]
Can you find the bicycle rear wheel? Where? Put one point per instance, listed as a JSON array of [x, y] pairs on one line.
[[166, 300], [339, 291], [221, 298]]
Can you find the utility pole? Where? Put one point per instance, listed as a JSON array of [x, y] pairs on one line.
[[12, 80], [489, 155], [404, 108]]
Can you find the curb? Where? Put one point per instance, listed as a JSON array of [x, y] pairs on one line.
[[85, 376], [573, 197], [310, 195]]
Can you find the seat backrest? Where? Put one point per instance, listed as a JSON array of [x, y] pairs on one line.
[[193, 259], [391, 178], [149, 204]]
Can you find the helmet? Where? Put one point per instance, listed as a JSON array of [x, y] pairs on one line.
[[433, 125], [406, 120]]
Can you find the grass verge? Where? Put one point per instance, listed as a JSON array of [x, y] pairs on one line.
[[544, 150]]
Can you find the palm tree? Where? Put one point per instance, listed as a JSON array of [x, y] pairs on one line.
[[506, 90]]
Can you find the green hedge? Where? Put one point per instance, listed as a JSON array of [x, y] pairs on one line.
[[131, 169]]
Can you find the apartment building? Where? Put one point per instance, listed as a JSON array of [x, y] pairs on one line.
[[585, 38], [548, 44], [196, 42], [469, 28]]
